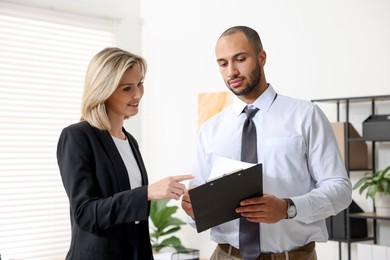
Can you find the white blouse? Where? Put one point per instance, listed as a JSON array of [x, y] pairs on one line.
[[128, 158]]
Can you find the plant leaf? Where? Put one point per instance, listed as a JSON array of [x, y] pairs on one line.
[[155, 208], [164, 218], [384, 186], [360, 182], [170, 231], [372, 190], [159, 211], [172, 241], [164, 224], [364, 186], [386, 172]]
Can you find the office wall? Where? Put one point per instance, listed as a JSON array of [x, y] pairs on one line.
[[316, 49]]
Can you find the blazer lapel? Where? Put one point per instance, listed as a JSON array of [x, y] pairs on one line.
[[138, 157], [116, 159]]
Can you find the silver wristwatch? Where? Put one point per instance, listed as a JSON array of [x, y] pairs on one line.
[[291, 209]]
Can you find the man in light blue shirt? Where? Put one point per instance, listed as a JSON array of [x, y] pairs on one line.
[[304, 177]]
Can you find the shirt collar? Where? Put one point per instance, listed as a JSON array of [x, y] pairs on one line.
[[263, 102]]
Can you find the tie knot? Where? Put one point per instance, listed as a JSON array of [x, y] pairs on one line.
[[250, 112]]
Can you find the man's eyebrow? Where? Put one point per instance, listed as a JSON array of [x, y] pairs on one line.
[[240, 53], [234, 56]]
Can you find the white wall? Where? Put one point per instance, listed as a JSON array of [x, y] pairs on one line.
[[316, 49]]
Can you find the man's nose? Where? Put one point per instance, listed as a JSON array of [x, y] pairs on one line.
[[232, 71]]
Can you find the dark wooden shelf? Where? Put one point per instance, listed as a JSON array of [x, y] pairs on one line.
[[352, 240], [356, 139], [361, 170], [372, 215], [359, 139], [354, 99]]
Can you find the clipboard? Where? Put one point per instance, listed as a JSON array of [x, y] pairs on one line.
[[214, 202]]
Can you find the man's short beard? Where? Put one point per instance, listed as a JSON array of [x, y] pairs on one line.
[[255, 78]]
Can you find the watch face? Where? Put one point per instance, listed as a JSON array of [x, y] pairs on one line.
[[291, 211]]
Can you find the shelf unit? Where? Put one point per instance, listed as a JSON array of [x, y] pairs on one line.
[[346, 101]]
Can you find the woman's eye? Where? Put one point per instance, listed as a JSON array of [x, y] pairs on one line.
[[141, 84], [126, 89]]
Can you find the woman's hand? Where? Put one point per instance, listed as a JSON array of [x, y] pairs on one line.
[[168, 188]]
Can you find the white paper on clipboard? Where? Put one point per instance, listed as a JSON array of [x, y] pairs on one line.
[[223, 165]]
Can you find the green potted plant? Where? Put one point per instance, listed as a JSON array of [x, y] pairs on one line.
[[377, 182], [164, 224], [378, 188]]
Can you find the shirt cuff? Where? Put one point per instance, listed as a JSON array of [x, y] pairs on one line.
[[303, 208]]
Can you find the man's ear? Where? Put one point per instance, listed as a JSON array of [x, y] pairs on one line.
[[262, 56]]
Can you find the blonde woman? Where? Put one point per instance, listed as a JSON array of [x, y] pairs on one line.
[[102, 169]]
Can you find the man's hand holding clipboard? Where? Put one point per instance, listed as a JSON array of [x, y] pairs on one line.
[[216, 201]]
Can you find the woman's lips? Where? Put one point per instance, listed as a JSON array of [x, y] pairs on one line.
[[133, 105]]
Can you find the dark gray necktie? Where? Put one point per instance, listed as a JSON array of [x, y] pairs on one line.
[[249, 231]]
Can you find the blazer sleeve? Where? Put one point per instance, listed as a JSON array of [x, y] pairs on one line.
[[97, 202]]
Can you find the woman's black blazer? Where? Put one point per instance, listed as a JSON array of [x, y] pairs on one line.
[[103, 207]]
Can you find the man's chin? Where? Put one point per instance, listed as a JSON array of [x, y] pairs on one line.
[[239, 93]]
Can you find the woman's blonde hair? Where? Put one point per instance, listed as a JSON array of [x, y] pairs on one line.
[[103, 76]]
